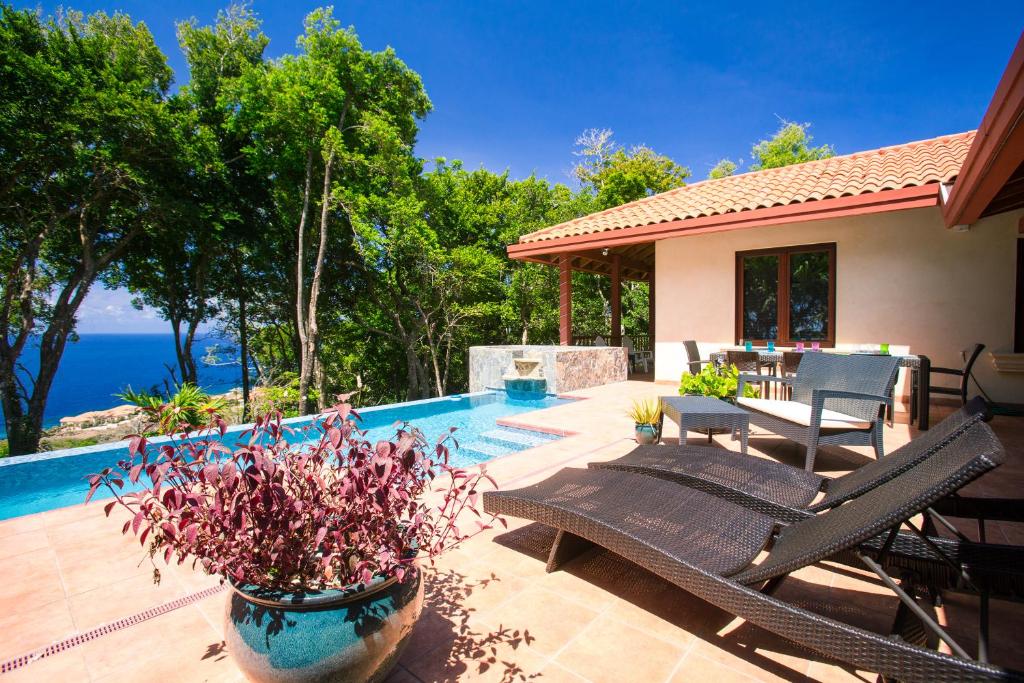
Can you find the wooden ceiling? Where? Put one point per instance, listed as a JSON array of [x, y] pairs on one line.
[[1010, 196], [636, 260]]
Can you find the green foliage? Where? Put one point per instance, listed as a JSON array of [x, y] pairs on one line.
[[56, 444], [5, 448], [723, 169], [717, 383], [263, 186], [615, 175], [189, 408], [791, 144], [87, 145], [646, 411], [282, 396]]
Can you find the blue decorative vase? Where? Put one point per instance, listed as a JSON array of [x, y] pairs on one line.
[[338, 635]]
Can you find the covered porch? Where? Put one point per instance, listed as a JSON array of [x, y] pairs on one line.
[[620, 263]]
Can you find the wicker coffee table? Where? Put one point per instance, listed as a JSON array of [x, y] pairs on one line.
[[703, 412]]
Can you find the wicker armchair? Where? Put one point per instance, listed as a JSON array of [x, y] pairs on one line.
[[836, 400], [693, 359]]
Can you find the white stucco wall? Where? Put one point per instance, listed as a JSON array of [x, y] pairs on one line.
[[901, 278]]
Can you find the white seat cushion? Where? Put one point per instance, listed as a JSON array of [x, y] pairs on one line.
[[800, 413]]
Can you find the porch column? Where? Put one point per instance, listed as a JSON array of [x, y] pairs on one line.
[[650, 310], [616, 302], [565, 300]]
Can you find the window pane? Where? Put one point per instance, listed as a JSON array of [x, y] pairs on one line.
[[760, 297], [808, 296]]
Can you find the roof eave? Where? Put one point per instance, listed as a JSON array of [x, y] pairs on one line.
[[997, 148], [839, 207]]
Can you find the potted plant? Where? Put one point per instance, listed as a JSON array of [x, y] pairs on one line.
[[318, 532], [720, 383], [647, 417]]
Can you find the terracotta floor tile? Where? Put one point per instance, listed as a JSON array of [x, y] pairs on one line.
[[86, 572], [547, 619], [17, 544], [66, 667], [30, 579], [34, 626], [756, 653], [20, 525], [497, 654], [122, 599], [555, 673], [695, 668], [600, 653], [179, 641]]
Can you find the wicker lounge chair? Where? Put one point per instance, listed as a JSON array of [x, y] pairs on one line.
[[836, 400], [707, 546], [789, 494], [782, 491]]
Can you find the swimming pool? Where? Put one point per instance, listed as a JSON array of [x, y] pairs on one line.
[[36, 483]]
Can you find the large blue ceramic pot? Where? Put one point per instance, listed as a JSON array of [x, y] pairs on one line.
[[338, 635]]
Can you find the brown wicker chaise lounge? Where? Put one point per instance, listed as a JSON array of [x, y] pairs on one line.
[[789, 494], [780, 490], [707, 546]]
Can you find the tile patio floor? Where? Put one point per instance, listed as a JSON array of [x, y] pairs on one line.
[[492, 613]]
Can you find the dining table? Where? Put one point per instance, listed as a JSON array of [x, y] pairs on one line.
[[918, 365]]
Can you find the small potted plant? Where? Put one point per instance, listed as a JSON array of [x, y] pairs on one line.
[[647, 417], [318, 531]]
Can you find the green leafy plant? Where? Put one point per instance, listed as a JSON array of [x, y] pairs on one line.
[[187, 410], [718, 383], [646, 411], [281, 394]]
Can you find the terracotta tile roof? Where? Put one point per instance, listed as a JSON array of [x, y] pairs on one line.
[[890, 168]]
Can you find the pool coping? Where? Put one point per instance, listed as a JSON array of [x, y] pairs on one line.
[[238, 429]]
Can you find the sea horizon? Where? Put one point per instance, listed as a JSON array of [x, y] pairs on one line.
[[102, 364]]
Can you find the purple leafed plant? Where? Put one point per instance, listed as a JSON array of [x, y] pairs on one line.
[[328, 510]]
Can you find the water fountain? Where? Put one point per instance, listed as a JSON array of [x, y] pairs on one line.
[[527, 381]]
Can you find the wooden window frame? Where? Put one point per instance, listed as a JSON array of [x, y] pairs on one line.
[[782, 313]]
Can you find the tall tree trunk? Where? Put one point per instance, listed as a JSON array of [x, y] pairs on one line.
[[320, 379], [310, 341], [243, 340], [300, 275]]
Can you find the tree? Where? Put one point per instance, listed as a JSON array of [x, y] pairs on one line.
[[203, 254], [723, 169], [611, 175], [791, 144], [616, 176], [80, 184], [332, 121]]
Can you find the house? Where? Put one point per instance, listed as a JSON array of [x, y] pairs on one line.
[[918, 245]]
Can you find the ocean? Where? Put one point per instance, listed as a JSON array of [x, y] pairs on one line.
[[98, 366]]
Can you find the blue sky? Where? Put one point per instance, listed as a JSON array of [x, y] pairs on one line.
[[514, 83]]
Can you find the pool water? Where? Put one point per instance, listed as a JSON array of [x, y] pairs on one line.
[[37, 483]]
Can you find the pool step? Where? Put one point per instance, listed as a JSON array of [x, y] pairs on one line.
[[485, 450], [515, 438]]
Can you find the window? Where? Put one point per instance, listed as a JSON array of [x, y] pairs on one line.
[[787, 294]]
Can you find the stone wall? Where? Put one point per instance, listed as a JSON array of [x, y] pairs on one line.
[[566, 368]]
